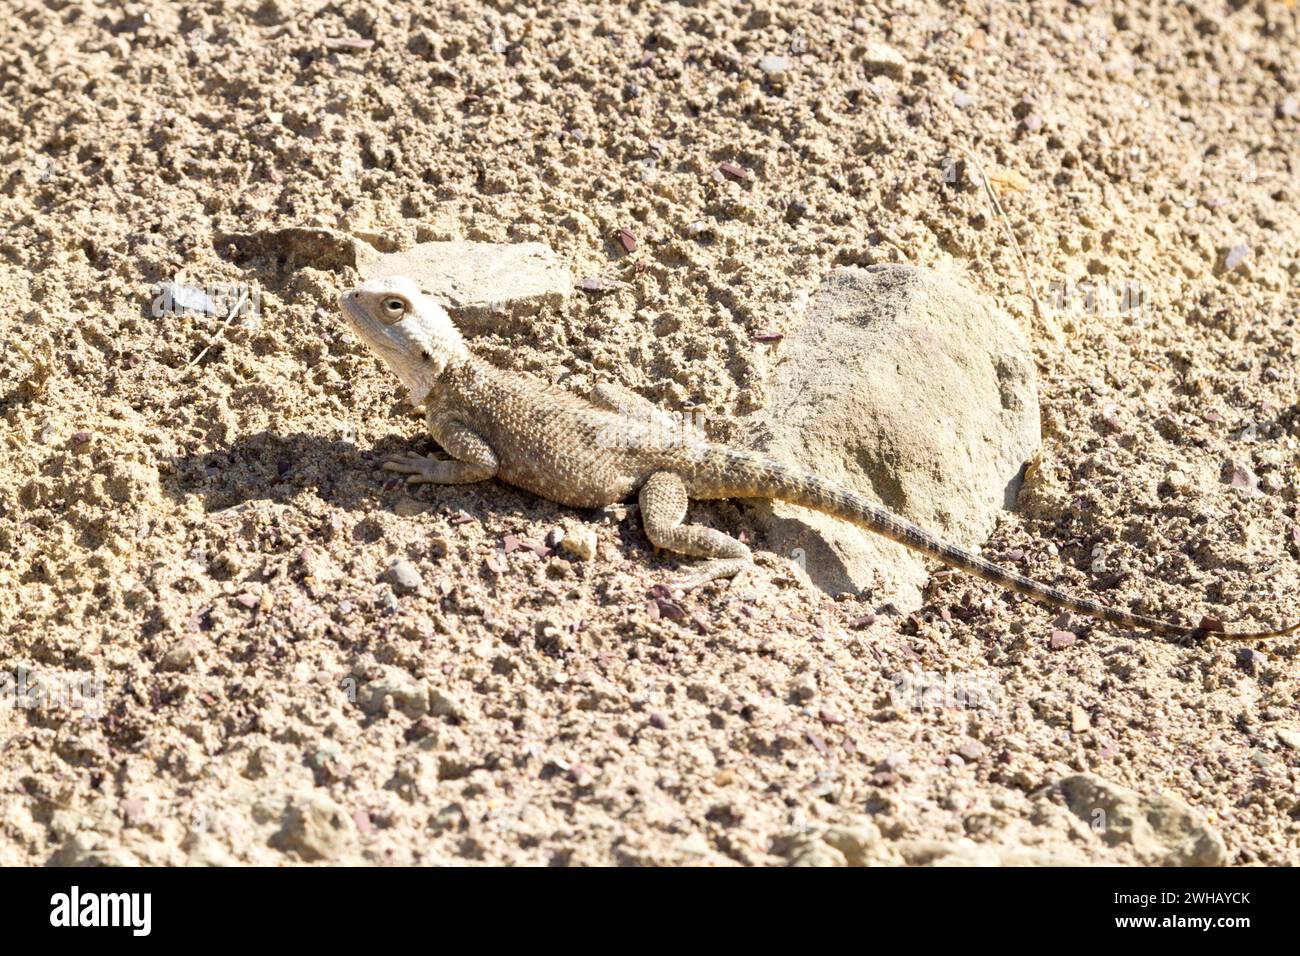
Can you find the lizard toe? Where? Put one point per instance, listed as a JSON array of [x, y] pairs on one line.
[[409, 464], [711, 571]]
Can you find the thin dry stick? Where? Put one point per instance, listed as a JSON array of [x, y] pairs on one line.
[[1006, 224], [234, 311]]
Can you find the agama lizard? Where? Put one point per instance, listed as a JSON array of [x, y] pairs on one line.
[[590, 453]]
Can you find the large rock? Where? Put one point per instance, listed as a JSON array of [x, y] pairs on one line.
[[861, 844], [479, 282], [904, 386], [1159, 829]]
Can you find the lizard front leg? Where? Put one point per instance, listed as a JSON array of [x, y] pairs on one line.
[[663, 508], [472, 459]]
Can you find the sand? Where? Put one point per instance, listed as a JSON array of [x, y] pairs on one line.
[[206, 549]]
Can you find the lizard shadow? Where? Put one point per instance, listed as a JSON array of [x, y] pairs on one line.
[[280, 467], [288, 470]]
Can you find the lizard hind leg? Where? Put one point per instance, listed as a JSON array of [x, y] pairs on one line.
[[663, 502]]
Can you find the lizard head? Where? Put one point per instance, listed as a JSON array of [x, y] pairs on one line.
[[408, 330]]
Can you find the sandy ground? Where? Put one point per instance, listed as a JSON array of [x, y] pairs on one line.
[[203, 548]]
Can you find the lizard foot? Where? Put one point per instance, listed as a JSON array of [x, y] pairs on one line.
[[711, 571], [420, 468]]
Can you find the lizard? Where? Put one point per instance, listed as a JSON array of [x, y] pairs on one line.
[[596, 451]]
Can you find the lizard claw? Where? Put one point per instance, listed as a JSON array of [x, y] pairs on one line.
[[418, 467]]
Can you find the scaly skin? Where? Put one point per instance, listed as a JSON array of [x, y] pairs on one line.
[[592, 453]]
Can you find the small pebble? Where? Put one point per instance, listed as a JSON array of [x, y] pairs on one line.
[[1062, 639], [879, 58], [774, 67], [348, 44], [1079, 721], [179, 656], [962, 100], [1243, 478], [133, 811], [1251, 659], [403, 574], [1236, 256], [1179, 481], [972, 750], [581, 543]]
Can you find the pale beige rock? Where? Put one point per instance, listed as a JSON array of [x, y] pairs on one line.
[[964, 852], [393, 688], [814, 852], [580, 543], [909, 388], [316, 829], [860, 842], [480, 282], [1160, 830], [879, 58]]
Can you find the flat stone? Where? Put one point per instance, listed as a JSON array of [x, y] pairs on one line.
[[480, 283], [910, 389]]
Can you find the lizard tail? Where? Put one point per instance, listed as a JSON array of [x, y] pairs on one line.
[[753, 476]]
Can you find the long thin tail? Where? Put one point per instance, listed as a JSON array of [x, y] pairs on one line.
[[762, 477]]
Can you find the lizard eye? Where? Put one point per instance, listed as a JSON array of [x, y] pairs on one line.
[[393, 308]]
